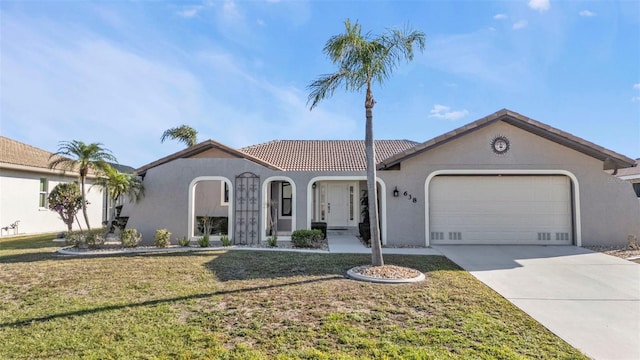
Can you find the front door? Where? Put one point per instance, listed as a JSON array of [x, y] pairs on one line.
[[338, 204]]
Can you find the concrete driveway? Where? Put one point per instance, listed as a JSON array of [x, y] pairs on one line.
[[591, 300]]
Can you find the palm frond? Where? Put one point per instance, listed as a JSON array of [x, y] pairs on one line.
[[183, 133], [363, 59], [325, 86], [118, 184]]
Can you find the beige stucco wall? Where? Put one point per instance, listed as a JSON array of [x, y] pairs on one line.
[[208, 199], [608, 208], [166, 201], [19, 200]]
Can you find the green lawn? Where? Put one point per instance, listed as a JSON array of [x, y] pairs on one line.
[[251, 305]]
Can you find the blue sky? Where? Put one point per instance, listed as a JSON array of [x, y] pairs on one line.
[[122, 72]]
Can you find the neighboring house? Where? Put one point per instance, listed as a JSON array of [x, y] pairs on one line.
[[25, 183], [631, 175], [503, 179]]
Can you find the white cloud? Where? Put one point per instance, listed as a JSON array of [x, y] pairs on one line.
[[231, 12], [520, 25], [635, 99], [445, 112], [499, 16], [539, 5], [95, 90], [636, 86], [190, 11], [586, 13]]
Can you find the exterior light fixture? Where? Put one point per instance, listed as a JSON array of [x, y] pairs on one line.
[[396, 193]]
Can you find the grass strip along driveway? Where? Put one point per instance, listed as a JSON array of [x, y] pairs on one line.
[[251, 305]]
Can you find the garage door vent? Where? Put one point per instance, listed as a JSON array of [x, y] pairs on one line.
[[455, 235], [435, 235], [562, 236], [544, 236]]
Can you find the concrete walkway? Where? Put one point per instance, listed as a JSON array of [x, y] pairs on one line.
[[591, 300], [349, 244]]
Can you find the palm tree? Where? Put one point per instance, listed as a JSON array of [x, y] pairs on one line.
[[183, 133], [363, 60], [77, 156], [118, 184]]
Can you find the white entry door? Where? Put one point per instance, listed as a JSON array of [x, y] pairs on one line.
[[337, 204]]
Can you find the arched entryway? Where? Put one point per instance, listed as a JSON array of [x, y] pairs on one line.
[[210, 207], [336, 201], [279, 204]]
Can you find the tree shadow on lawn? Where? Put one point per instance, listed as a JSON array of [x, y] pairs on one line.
[[70, 314], [262, 270], [247, 265]]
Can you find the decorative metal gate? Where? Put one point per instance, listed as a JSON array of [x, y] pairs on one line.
[[247, 209]]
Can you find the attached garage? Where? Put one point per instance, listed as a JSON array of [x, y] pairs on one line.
[[500, 209]]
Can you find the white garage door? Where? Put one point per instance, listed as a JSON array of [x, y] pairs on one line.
[[500, 210]]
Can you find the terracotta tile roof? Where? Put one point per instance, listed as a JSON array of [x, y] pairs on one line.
[[17, 153], [323, 155]]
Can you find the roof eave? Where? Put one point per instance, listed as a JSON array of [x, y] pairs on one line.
[[47, 171], [199, 148]]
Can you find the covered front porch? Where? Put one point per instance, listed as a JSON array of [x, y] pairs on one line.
[[341, 202]]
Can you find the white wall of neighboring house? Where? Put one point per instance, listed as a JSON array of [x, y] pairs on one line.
[[20, 200]]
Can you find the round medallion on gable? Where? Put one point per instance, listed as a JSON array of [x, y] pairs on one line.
[[500, 144]]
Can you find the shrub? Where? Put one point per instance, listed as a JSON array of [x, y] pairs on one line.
[[130, 237], [95, 238], [66, 200], [272, 241], [183, 241], [225, 240], [80, 239], [162, 238], [306, 238], [75, 238], [204, 241]]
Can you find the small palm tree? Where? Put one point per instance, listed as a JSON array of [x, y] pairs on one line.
[[184, 134], [77, 156], [363, 60], [118, 184]]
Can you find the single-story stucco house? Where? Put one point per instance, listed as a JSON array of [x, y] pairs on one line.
[[25, 183], [503, 179]]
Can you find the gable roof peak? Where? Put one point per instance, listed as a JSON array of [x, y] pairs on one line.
[[525, 123], [199, 148]]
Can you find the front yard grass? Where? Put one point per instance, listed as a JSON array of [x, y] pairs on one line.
[[251, 305]]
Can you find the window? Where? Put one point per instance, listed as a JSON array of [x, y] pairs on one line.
[[285, 199], [636, 187], [42, 196], [224, 191]]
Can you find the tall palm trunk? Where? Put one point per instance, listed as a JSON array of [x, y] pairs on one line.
[[370, 151], [84, 203]]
